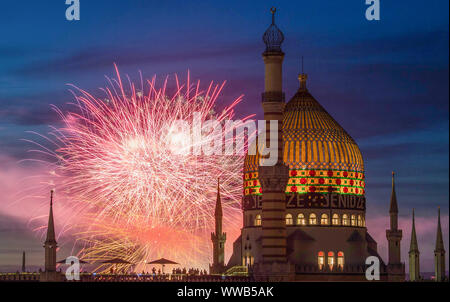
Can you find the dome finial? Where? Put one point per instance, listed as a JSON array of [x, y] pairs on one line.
[[273, 37], [302, 78], [273, 10]]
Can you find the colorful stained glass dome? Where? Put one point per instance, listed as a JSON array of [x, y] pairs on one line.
[[321, 155]]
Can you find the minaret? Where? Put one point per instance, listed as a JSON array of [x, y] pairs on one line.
[[414, 261], [23, 262], [273, 178], [439, 253], [50, 246], [218, 238], [396, 269]]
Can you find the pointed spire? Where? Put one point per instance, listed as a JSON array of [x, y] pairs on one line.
[[302, 77], [413, 246], [218, 211], [51, 226], [393, 207], [439, 241]]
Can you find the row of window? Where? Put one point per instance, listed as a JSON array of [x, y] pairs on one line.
[[331, 260], [346, 220]]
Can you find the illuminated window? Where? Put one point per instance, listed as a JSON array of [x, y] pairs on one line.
[[330, 260], [359, 221], [353, 220], [258, 220], [301, 219], [363, 222], [289, 220], [321, 260], [248, 260], [335, 219], [340, 260], [345, 219], [312, 219], [324, 219]]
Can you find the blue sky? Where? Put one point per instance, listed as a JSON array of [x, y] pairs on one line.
[[385, 82]]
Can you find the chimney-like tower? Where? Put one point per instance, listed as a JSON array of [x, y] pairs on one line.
[[396, 269], [439, 253], [273, 178], [23, 262], [414, 254], [218, 238]]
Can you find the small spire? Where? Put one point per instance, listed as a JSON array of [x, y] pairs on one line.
[[218, 211], [302, 77], [51, 226], [413, 246], [302, 64], [439, 240], [393, 207]]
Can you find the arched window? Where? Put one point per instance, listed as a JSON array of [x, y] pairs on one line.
[[258, 220], [340, 260], [345, 219], [363, 221], [324, 219], [312, 219], [321, 259], [301, 219], [330, 260], [335, 219], [289, 220], [353, 220], [359, 221], [250, 220]]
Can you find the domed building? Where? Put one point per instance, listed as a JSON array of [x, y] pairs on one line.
[[304, 218]]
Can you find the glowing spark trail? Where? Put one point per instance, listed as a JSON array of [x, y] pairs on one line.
[[132, 196]]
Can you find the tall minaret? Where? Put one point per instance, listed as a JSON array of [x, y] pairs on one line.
[[218, 238], [396, 269], [414, 261], [23, 262], [50, 246], [439, 253], [273, 178]]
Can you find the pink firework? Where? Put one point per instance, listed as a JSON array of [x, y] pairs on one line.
[[133, 196]]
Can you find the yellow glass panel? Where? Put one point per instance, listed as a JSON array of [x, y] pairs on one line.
[[291, 152], [341, 153], [325, 150], [331, 152], [303, 152], [336, 152], [309, 151], [314, 146], [286, 148], [319, 143]]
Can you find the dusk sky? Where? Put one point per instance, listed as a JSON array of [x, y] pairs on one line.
[[385, 82]]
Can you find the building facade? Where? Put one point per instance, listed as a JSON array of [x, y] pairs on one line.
[[304, 217]]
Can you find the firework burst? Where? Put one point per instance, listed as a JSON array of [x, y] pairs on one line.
[[132, 195]]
